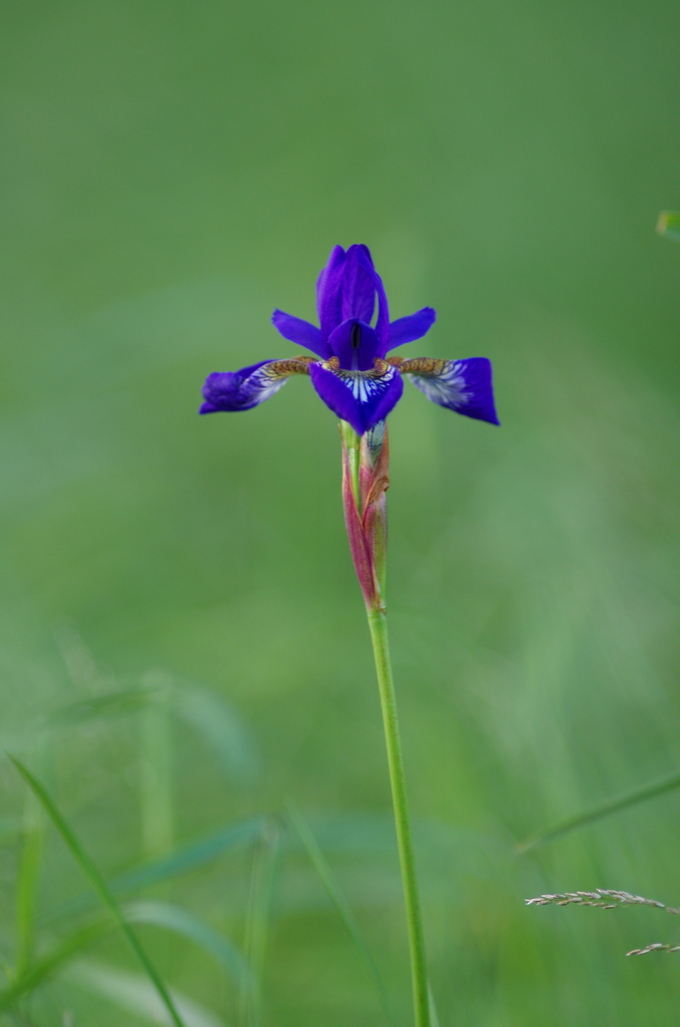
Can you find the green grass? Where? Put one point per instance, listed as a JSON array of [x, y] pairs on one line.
[[182, 642], [99, 886]]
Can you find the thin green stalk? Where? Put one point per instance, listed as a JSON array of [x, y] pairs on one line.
[[377, 622]]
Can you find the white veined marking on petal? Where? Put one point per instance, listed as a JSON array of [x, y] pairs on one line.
[[364, 385], [444, 384], [264, 382]]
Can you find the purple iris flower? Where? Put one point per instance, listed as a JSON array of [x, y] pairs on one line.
[[350, 370]]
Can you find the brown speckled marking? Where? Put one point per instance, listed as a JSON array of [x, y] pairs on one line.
[[284, 368], [429, 367], [380, 368]]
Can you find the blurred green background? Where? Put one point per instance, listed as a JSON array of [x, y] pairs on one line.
[[171, 173]]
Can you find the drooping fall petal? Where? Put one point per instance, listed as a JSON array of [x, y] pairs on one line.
[[461, 385], [360, 397], [247, 388]]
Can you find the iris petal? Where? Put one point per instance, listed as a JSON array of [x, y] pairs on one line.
[[383, 320], [301, 332], [247, 388], [408, 329], [329, 291], [355, 344], [358, 285], [461, 385], [351, 373], [363, 398]]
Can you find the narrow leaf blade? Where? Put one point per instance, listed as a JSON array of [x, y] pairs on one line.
[[134, 994], [341, 904], [603, 809], [181, 921], [48, 964], [99, 885], [182, 861]]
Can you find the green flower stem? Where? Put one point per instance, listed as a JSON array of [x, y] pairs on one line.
[[377, 622]]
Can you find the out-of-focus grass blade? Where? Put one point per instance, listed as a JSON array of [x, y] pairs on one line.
[[669, 224], [10, 827], [48, 964], [603, 809], [160, 914], [202, 709], [220, 726], [341, 904], [156, 791], [257, 920], [174, 918], [80, 663], [99, 885], [27, 881], [133, 993], [30, 859], [365, 835], [188, 858], [181, 861], [119, 703], [434, 1016]]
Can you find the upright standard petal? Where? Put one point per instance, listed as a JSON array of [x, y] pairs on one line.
[[329, 292], [408, 329], [362, 398], [358, 285], [461, 385], [247, 388], [301, 332], [382, 323]]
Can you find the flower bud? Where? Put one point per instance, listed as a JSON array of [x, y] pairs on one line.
[[365, 480]]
